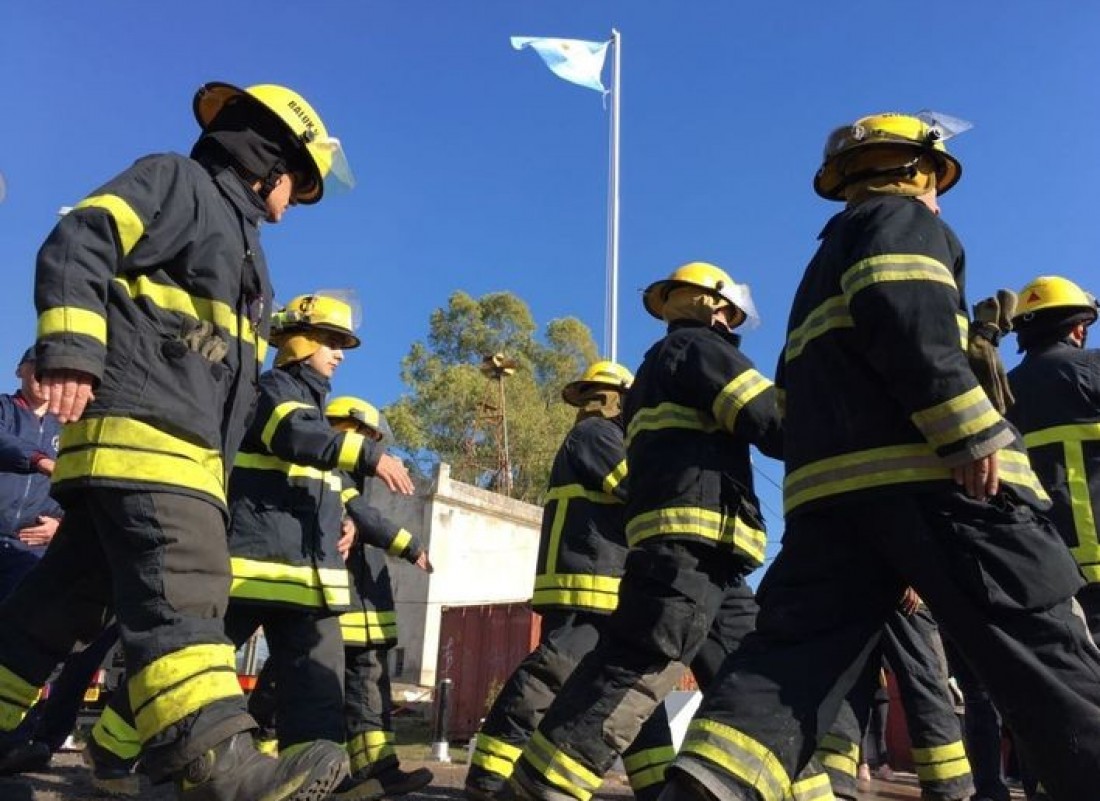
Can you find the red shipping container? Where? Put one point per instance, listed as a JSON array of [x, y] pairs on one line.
[[898, 745], [479, 647]]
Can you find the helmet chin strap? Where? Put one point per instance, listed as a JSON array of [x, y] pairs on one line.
[[272, 179], [905, 172]]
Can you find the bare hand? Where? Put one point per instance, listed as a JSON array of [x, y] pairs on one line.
[[67, 392], [423, 563], [41, 533], [347, 537], [979, 478], [45, 466], [910, 602], [394, 474]]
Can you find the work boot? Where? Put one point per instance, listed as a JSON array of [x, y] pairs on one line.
[[365, 785], [111, 776], [474, 792], [234, 770], [26, 756]]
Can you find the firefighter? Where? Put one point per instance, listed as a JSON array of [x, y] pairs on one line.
[[692, 524], [580, 562], [369, 631], [899, 472], [286, 510], [1057, 409], [151, 296], [914, 651]]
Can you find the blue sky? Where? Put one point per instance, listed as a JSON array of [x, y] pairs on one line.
[[479, 170]]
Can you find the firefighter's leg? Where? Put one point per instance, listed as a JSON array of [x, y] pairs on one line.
[[63, 600], [262, 703], [983, 736], [914, 650], [170, 570], [113, 748], [669, 596], [999, 581], [524, 698], [838, 750], [646, 758], [368, 710], [736, 619], [823, 603], [310, 690]]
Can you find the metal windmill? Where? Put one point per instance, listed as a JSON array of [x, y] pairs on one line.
[[492, 417]]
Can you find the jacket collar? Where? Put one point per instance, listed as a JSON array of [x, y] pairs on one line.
[[729, 336], [318, 385], [240, 194]]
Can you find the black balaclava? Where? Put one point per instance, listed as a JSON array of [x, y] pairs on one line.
[[255, 144]]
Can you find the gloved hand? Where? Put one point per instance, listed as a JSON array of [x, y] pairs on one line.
[[992, 320], [200, 337]]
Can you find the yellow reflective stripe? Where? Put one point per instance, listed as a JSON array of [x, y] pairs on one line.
[[173, 299], [348, 494], [130, 450], [350, 449], [957, 418], [1091, 573], [669, 415], [696, 521], [367, 747], [181, 683], [277, 416], [615, 477], [569, 491], [1087, 549], [577, 589], [369, 628], [304, 585], [400, 542], [495, 756], [812, 788], [839, 754], [830, 315], [893, 267], [964, 330], [941, 762], [1075, 432], [72, 320], [114, 734], [647, 768], [742, 756], [128, 224], [875, 467], [736, 395], [561, 770], [1014, 467], [16, 698], [265, 461]]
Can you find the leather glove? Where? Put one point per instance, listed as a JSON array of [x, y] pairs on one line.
[[200, 337], [992, 320]]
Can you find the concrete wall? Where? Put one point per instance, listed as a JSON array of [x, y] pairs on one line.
[[483, 547]]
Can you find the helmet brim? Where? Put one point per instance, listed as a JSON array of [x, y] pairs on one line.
[[211, 98], [829, 183], [350, 341], [573, 393]]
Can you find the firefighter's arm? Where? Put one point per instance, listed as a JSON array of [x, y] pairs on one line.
[[742, 401], [598, 456], [907, 315], [376, 529], [387, 468], [91, 245]]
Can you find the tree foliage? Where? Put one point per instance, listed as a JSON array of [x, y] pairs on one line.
[[452, 411]]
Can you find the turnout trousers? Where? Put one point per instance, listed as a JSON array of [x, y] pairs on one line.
[[523, 700], [307, 652], [998, 580], [673, 597], [914, 651], [160, 562]]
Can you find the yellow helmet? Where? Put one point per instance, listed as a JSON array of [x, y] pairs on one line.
[[923, 135], [705, 276], [348, 407], [602, 374], [319, 310], [1053, 292], [322, 153]]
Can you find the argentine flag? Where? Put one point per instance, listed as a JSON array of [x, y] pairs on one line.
[[575, 60]]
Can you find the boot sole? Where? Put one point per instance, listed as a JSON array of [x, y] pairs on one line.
[[318, 785]]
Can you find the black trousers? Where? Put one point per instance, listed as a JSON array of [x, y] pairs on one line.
[[565, 639], [999, 582], [160, 562], [912, 647], [307, 651], [677, 599]]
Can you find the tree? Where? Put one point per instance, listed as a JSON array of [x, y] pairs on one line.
[[448, 413]]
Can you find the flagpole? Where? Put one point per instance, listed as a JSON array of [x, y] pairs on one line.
[[612, 331]]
